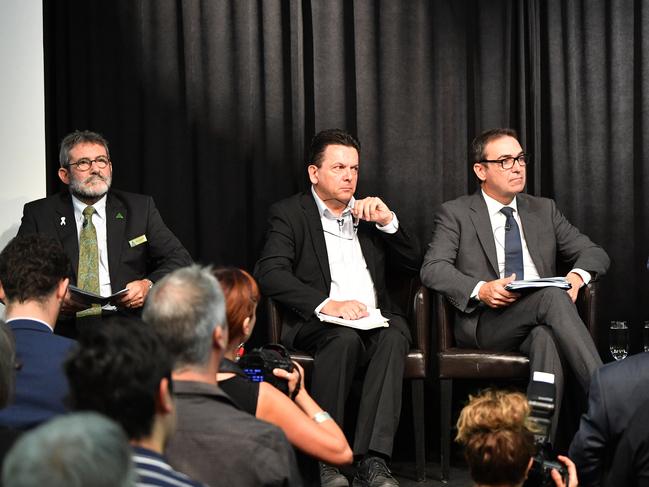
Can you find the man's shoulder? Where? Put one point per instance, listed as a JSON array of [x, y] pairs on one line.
[[633, 369], [48, 202], [127, 196], [31, 331], [296, 200]]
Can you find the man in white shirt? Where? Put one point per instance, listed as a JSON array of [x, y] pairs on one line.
[[326, 254], [484, 241]]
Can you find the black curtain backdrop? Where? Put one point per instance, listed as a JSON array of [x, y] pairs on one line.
[[209, 105]]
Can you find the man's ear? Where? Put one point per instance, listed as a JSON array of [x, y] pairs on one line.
[[480, 171], [220, 337], [313, 173], [62, 288], [163, 400], [3, 296], [64, 175]]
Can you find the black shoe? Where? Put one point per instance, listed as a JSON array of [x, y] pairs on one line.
[[373, 472], [331, 476]]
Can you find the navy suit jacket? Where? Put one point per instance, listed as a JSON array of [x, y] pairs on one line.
[[616, 392], [128, 216], [41, 384], [294, 264]]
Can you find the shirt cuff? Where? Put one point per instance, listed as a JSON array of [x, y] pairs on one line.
[[320, 306], [391, 227], [476, 290], [583, 274]]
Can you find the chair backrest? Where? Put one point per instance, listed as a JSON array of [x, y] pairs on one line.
[[444, 311]]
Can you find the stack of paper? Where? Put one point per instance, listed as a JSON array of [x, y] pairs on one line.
[[374, 320], [559, 282]]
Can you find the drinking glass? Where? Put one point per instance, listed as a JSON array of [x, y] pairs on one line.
[[645, 336], [618, 339]]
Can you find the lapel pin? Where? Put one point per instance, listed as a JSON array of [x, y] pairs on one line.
[[62, 221], [119, 216]]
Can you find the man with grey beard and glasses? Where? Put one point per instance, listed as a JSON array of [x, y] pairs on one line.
[[114, 239]]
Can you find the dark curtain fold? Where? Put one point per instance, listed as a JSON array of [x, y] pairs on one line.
[[209, 106]]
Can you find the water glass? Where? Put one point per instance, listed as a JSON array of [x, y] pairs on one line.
[[618, 339]]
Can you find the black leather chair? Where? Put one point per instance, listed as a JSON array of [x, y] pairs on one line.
[[414, 298], [465, 363]]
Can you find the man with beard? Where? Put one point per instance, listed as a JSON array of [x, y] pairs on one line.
[[114, 239]]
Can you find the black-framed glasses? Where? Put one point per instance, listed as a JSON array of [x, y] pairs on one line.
[[341, 228], [508, 162], [85, 164]]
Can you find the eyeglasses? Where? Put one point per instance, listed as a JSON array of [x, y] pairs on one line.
[[508, 162], [343, 230], [85, 164]]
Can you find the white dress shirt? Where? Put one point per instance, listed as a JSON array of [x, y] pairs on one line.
[[99, 221], [498, 220], [350, 277]]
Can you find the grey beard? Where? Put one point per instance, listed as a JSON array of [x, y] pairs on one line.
[[80, 191]]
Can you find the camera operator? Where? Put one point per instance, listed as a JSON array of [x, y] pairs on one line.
[[499, 444]]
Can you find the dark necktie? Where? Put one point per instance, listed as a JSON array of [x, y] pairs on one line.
[[513, 246]]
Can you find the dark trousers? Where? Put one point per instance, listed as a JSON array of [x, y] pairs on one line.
[[339, 352], [545, 326]]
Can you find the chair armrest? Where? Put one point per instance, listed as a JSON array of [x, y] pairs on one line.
[[420, 319], [587, 306], [274, 321], [444, 323]]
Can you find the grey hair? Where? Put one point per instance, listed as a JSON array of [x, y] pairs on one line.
[[184, 308], [7, 363], [75, 450], [79, 137]]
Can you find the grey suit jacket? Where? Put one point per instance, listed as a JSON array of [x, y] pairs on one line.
[[463, 251]]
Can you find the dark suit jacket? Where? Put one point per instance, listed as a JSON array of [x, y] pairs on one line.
[[294, 266], [41, 385], [463, 251], [617, 390], [159, 255]]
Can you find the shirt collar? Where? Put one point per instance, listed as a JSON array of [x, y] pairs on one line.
[[494, 206], [326, 212], [99, 206], [30, 319]]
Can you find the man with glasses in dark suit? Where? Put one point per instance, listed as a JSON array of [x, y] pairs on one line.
[[114, 239], [483, 241], [326, 256]]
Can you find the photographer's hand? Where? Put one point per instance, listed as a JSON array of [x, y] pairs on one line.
[[295, 379], [572, 473]]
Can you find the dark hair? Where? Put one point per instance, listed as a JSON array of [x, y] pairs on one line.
[[241, 296], [330, 137], [479, 144], [79, 137], [116, 370], [498, 443], [7, 363], [31, 266]]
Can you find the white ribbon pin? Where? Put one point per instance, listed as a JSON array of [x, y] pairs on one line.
[[62, 221]]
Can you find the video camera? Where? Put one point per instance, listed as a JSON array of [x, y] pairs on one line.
[[541, 398]]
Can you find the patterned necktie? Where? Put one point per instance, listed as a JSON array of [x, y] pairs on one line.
[[88, 271], [513, 246]]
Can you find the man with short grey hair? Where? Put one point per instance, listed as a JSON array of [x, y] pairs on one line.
[[76, 450], [187, 309]]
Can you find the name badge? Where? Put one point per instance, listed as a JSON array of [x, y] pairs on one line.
[[137, 241]]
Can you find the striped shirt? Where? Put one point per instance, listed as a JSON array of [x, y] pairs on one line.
[[153, 471]]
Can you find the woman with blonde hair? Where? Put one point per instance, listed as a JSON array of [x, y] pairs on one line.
[[306, 425], [499, 441]]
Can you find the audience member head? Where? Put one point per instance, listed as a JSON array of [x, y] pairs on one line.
[[479, 144], [187, 310], [7, 364], [33, 268], [75, 450], [326, 138], [123, 371], [79, 137], [241, 298], [498, 443]]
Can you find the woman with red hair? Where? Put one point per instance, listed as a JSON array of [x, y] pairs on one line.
[[305, 424]]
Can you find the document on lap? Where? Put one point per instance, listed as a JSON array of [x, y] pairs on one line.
[[374, 320], [559, 282], [90, 298]]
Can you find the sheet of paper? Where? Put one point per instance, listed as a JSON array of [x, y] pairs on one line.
[[559, 282], [374, 320], [89, 298]]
